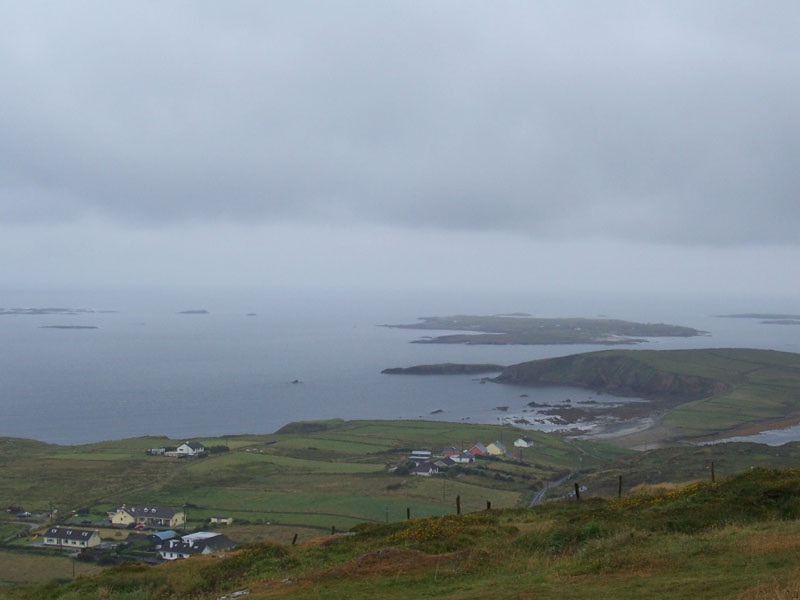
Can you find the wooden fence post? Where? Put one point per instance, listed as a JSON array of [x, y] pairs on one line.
[[333, 529], [408, 513], [294, 539], [458, 505], [619, 490], [488, 505], [712, 471], [577, 492]]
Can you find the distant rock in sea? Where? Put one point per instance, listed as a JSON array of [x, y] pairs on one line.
[[194, 312], [68, 327], [252, 315], [445, 369]]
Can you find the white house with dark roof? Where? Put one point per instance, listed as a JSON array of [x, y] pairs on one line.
[[445, 462], [149, 516], [463, 458], [190, 449], [523, 442], [68, 537], [197, 543], [426, 469]]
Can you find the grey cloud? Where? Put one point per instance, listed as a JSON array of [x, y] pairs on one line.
[[637, 121]]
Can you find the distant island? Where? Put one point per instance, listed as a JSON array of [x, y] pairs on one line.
[[760, 316], [499, 329], [68, 327], [52, 311], [445, 369], [194, 312]]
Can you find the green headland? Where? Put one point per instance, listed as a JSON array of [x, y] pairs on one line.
[[506, 329]]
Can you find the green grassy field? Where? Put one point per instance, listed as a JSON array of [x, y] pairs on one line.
[[309, 477], [737, 538], [17, 567], [318, 474]]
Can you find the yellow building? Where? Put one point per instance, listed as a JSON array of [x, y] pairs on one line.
[[149, 516], [496, 449]]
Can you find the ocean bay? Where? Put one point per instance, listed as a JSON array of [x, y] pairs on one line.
[[149, 370]]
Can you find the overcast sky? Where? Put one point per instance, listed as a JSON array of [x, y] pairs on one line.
[[522, 145]]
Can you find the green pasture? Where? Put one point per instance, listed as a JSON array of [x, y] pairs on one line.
[[17, 567], [331, 445], [335, 471]]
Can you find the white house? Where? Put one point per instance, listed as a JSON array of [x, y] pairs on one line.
[[464, 457], [523, 442], [426, 469], [190, 448], [203, 542], [67, 537]]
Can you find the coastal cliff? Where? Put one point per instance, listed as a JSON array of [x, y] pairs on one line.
[[619, 373]]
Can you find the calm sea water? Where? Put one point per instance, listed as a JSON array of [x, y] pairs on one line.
[[148, 370]]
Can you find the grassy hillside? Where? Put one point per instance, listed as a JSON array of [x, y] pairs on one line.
[[681, 464], [737, 538], [307, 477], [705, 391]]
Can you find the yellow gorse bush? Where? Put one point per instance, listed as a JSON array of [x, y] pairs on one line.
[[434, 528]]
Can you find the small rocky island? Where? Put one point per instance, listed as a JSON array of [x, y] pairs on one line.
[[194, 312], [767, 318], [505, 329], [445, 369]]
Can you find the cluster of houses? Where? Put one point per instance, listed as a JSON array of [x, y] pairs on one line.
[[166, 541], [185, 450], [426, 466]]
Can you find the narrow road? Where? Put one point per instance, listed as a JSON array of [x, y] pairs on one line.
[[30, 525], [537, 499]]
